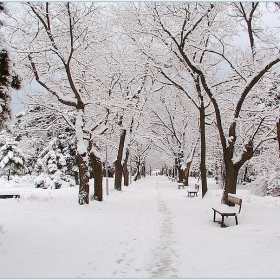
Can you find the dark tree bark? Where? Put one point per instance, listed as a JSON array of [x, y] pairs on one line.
[[125, 169], [245, 174], [143, 170], [138, 170], [118, 162], [202, 148], [97, 173], [229, 180], [125, 163], [84, 178], [76, 174], [187, 173], [181, 175], [232, 168]]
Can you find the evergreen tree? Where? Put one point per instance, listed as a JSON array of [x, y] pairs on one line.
[[12, 158], [52, 164], [8, 79]]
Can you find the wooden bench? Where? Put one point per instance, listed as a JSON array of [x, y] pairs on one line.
[[226, 211], [193, 191], [9, 194], [181, 185]]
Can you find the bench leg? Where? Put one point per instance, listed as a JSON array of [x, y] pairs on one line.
[[214, 216], [236, 220], [222, 224]]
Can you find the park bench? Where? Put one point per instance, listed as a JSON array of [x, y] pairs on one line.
[[193, 191], [181, 185], [9, 194], [226, 211]]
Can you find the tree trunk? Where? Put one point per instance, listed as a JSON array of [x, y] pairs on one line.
[[125, 169], [187, 173], [118, 162], [181, 174], [143, 170], [76, 174], [138, 170], [84, 178], [229, 180], [245, 175], [9, 174], [97, 173], [203, 148], [82, 159]]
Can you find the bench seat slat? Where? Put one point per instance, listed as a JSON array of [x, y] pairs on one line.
[[5, 191], [192, 190], [225, 209]]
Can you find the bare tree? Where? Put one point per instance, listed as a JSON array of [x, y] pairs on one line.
[[58, 54], [197, 36]]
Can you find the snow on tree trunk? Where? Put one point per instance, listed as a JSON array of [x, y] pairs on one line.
[[97, 173], [125, 169], [187, 173], [138, 169], [82, 159], [181, 174], [143, 170], [118, 162]]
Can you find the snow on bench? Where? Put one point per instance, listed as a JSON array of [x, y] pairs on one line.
[[4, 193], [193, 191], [181, 185], [226, 211]]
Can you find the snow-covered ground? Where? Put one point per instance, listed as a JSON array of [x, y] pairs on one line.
[[149, 230]]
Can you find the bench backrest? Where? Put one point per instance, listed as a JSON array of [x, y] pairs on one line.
[[232, 198], [196, 186]]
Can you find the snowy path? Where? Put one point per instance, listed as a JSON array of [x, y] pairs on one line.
[[153, 234], [149, 230], [164, 255]]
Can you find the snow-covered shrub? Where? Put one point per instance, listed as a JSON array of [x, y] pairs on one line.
[[12, 158], [44, 181], [23, 180], [267, 182], [52, 164]]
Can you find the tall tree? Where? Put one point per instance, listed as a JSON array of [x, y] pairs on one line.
[[61, 56], [229, 73], [173, 128], [9, 79], [180, 19]]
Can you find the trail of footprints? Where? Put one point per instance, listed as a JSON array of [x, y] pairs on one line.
[[163, 255], [129, 263]]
